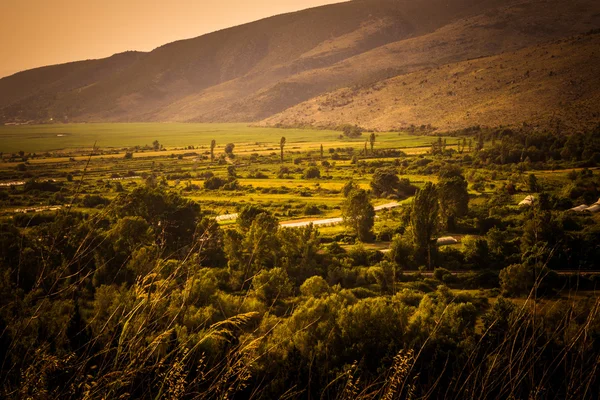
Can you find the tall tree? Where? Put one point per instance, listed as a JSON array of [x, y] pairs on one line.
[[281, 145], [321, 151], [453, 198], [372, 141], [359, 214], [213, 144], [424, 222]]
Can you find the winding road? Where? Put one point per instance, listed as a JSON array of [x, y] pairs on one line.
[[315, 222]]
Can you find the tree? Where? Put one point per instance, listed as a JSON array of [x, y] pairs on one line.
[[385, 182], [214, 183], [315, 286], [453, 199], [424, 222], [156, 145], [260, 244], [247, 215], [169, 214], [231, 173], [281, 145], [349, 187], [272, 285], [533, 183], [229, 149], [213, 144], [321, 151], [359, 214], [372, 141], [352, 131], [312, 173]]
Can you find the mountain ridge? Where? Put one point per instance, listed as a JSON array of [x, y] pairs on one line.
[[255, 71]]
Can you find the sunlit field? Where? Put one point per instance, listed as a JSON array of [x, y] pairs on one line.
[[58, 137]]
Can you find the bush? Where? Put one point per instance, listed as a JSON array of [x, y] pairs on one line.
[[214, 183], [315, 286], [312, 173], [311, 209], [94, 200], [272, 285]]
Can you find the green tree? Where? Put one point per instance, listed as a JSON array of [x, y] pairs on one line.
[[453, 197], [352, 131], [533, 183], [298, 252], [156, 145], [272, 285], [281, 145], [348, 187], [231, 172], [260, 244], [359, 214], [315, 286], [312, 173], [213, 144], [424, 221], [247, 215], [229, 149], [385, 183], [372, 141], [170, 214]]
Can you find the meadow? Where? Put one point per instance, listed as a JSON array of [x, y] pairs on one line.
[[72, 137]]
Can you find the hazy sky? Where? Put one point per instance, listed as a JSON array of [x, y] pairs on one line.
[[34, 33]]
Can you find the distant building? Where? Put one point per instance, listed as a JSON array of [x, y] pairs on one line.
[[594, 208], [446, 240], [527, 201]]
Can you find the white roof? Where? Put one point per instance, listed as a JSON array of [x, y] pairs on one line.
[[527, 201], [594, 208], [443, 241], [582, 207]]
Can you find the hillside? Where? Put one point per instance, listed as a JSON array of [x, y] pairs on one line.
[[254, 71], [538, 85]]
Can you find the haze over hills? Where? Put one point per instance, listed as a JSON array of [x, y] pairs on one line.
[[378, 63]]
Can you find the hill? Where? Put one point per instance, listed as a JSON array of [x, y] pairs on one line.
[[540, 85], [254, 71]]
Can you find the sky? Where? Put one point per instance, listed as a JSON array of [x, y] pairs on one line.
[[35, 33]]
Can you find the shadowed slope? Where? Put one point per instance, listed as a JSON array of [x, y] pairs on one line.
[[256, 70]]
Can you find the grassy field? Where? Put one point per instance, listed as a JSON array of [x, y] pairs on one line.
[[59, 137]]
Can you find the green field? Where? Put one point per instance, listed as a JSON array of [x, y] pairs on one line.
[[47, 138]]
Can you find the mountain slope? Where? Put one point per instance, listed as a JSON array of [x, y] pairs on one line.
[[543, 84], [253, 71]]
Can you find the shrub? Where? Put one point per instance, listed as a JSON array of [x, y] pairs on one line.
[[214, 183], [311, 209], [312, 173], [272, 285], [315, 286]]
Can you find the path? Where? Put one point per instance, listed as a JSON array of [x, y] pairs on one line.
[[315, 222], [331, 221]]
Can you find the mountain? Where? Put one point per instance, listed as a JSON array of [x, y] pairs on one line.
[[542, 85], [283, 69]]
